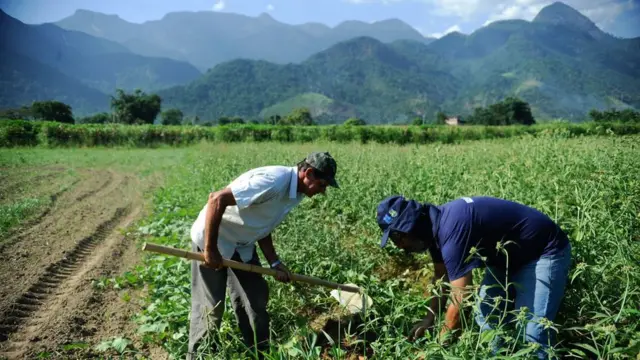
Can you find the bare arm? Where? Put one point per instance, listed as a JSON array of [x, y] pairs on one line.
[[218, 201], [436, 306], [458, 292], [266, 245]]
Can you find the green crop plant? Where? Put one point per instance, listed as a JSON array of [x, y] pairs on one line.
[[590, 186]]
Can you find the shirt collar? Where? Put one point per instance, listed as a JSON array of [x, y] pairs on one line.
[[293, 187]]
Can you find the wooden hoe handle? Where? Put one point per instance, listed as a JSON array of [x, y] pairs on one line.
[[246, 267]]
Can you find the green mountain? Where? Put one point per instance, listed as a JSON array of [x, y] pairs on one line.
[[91, 62], [24, 80], [560, 63], [362, 77], [207, 38]]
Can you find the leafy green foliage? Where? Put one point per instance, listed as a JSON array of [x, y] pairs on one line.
[[508, 112], [625, 116], [135, 108], [301, 116], [358, 122], [172, 117], [587, 188], [14, 132], [52, 111], [12, 214], [100, 118]]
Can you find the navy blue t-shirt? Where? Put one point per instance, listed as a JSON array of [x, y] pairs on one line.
[[482, 222]]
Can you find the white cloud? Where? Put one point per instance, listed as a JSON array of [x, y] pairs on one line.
[[219, 5], [270, 7], [449, 30], [525, 12], [600, 12]]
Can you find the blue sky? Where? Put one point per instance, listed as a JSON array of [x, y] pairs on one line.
[[430, 17]]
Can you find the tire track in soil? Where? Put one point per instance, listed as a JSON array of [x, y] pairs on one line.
[[46, 272], [55, 275], [19, 325]]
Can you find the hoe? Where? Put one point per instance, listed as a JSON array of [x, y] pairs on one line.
[[348, 295]]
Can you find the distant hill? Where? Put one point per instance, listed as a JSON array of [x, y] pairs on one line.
[[82, 60], [207, 38], [24, 80], [560, 63], [361, 76]]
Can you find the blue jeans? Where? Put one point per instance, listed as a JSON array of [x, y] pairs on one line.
[[538, 285]]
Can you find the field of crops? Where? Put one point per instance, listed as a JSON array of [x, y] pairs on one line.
[[590, 185]]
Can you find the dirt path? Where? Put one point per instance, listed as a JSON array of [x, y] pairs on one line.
[[47, 299]]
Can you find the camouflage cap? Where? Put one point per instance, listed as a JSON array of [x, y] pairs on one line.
[[325, 166]]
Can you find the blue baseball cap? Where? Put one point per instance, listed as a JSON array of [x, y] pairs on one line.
[[395, 213]]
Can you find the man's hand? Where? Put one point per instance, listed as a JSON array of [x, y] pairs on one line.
[[213, 259], [420, 328], [282, 273]]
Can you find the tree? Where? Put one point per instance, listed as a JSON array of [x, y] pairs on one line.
[[354, 122], [518, 111], [172, 117], [53, 111], [237, 120], [440, 118], [137, 107], [22, 113], [300, 116], [417, 121], [100, 118], [510, 111], [273, 120]]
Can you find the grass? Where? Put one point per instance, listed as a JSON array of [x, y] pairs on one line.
[[589, 185]]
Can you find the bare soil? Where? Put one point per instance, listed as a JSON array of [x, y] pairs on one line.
[[49, 306]]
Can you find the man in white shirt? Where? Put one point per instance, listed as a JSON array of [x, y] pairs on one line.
[[230, 224]]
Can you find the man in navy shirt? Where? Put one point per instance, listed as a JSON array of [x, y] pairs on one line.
[[517, 244]]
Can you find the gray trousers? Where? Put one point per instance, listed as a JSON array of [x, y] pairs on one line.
[[249, 296]]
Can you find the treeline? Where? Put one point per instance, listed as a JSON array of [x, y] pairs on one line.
[[614, 115], [53, 134], [140, 108]]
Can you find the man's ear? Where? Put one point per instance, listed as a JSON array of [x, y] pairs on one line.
[[308, 173]]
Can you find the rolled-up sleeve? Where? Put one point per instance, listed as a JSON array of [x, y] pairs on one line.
[[255, 189]]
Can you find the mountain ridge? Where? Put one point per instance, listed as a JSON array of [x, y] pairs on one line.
[[540, 61], [256, 37], [560, 63]]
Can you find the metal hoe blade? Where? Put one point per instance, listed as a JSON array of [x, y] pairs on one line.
[[354, 302]]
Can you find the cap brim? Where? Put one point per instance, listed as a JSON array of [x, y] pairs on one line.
[[385, 238], [334, 183]]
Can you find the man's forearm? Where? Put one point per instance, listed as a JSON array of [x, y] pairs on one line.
[[452, 318], [266, 245]]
